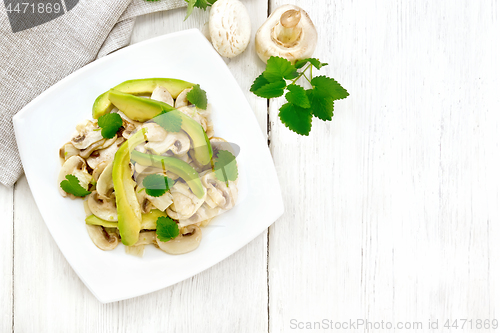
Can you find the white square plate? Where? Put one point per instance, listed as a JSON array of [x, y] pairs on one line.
[[46, 123]]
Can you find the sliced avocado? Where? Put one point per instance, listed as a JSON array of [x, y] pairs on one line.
[[143, 109], [148, 220], [103, 105], [127, 205], [172, 164]]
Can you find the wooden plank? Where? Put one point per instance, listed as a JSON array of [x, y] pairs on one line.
[[391, 209], [232, 296], [6, 257]]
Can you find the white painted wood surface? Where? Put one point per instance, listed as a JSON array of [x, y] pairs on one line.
[[391, 209]]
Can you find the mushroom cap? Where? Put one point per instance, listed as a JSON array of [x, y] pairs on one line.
[[101, 238], [75, 165], [178, 143], [188, 240], [267, 44], [102, 207], [230, 27], [105, 182], [86, 134], [163, 95]]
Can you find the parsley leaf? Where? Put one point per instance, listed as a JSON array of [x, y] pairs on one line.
[[198, 97], [296, 118], [270, 90], [225, 166], [72, 186], [166, 229], [297, 96], [313, 61], [170, 121], [279, 68], [322, 107], [110, 124], [328, 87], [157, 185]]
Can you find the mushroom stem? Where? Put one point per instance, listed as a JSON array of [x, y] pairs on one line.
[[287, 30]]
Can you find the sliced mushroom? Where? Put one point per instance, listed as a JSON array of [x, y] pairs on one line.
[[185, 203], [129, 125], [219, 194], [143, 200], [101, 238], [99, 169], [156, 133], [188, 240], [104, 186], [192, 112], [205, 212], [75, 165], [104, 154], [102, 207], [178, 143], [88, 133], [182, 100], [85, 153], [163, 95], [230, 27], [288, 33], [162, 202], [67, 151]]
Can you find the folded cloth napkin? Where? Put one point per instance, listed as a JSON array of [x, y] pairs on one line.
[[41, 42]]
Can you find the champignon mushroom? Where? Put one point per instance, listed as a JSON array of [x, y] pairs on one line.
[[104, 154], [230, 27], [104, 184], [205, 212], [178, 143], [185, 203], [288, 33], [155, 132], [87, 134], [129, 125], [102, 207], [85, 153], [67, 151], [143, 200], [101, 238], [76, 166], [163, 95], [193, 113], [188, 240], [99, 169], [162, 202], [219, 194], [182, 100]]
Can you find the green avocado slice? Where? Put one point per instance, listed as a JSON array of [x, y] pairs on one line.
[[143, 109], [148, 220], [172, 164], [103, 105], [127, 205]]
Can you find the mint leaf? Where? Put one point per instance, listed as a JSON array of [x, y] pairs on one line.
[[279, 68], [328, 87], [170, 121], [297, 96], [198, 97], [258, 83], [296, 118], [321, 107], [157, 185], [72, 186], [166, 229], [313, 61], [271, 90], [110, 124], [225, 167]]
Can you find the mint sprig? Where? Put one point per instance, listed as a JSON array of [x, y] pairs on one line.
[[302, 104]]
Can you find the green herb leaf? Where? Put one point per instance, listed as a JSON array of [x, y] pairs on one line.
[[72, 186], [313, 61], [166, 229], [296, 118], [170, 121], [328, 87], [225, 167], [258, 83], [297, 96], [198, 97], [279, 68], [271, 90], [110, 124], [321, 107], [157, 185]]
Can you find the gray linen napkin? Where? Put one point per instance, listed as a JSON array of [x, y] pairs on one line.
[[41, 44]]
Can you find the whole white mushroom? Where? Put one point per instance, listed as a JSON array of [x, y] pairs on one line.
[[230, 27]]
